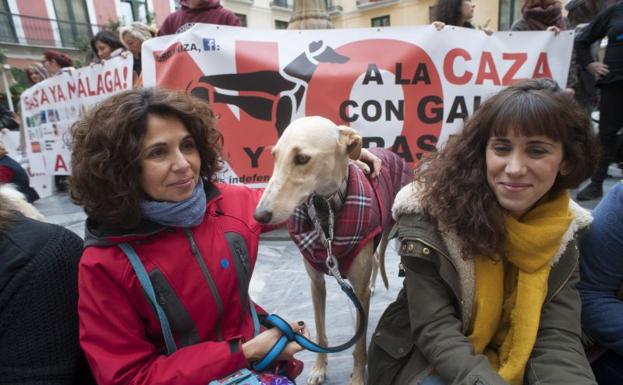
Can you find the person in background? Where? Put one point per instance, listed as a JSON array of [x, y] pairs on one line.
[[546, 15], [55, 62], [197, 11], [132, 37], [458, 13], [540, 15], [609, 75], [35, 73], [39, 298], [13, 172], [490, 259], [601, 286], [106, 44], [579, 14]]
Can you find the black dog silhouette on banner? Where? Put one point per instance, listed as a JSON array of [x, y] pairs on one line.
[[289, 85]]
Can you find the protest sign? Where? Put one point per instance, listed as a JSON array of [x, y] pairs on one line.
[[51, 107], [404, 88]]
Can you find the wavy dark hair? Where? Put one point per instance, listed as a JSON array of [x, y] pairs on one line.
[[449, 12], [455, 194], [109, 38], [107, 145]]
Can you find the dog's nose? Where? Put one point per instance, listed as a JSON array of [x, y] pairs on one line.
[[262, 216]]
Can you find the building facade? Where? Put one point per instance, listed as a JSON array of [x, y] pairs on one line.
[[29, 27], [494, 14]]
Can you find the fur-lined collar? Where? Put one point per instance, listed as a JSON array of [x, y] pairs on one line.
[[407, 202]]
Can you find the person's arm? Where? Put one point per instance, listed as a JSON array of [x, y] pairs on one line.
[[232, 20], [596, 30], [165, 28], [558, 355], [435, 323], [601, 268], [6, 174]]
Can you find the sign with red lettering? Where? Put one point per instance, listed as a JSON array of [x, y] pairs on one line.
[[51, 107], [406, 89]]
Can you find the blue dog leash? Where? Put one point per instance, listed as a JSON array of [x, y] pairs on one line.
[[324, 222]]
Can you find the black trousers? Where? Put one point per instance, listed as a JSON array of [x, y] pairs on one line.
[[608, 369], [610, 122]]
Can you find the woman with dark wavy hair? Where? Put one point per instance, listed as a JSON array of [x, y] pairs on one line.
[[455, 12], [169, 252], [488, 248], [458, 13], [106, 44]]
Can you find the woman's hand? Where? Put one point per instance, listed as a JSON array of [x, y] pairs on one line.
[[366, 158], [256, 348], [438, 25], [598, 69]]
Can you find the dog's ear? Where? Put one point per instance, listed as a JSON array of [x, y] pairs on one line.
[[352, 141]]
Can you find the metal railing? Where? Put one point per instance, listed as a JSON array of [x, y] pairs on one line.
[[39, 31]]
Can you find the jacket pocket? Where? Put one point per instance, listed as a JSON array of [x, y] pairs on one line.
[[391, 345]]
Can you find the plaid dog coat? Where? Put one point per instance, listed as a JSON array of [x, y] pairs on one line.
[[365, 213]]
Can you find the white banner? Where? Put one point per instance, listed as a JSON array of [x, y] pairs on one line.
[[405, 89], [51, 107]]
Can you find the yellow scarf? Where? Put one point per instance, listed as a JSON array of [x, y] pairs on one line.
[[510, 293]]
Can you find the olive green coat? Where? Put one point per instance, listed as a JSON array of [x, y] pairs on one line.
[[425, 329]]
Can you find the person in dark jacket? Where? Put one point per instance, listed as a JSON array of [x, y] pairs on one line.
[[488, 246], [13, 172], [601, 268], [609, 76], [38, 299], [197, 11]]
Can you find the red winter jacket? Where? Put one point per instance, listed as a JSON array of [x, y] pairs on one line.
[[119, 330], [210, 12]]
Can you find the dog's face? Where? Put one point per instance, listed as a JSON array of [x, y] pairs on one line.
[[311, 156]]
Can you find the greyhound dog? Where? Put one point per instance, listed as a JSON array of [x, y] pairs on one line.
[[314, 157]]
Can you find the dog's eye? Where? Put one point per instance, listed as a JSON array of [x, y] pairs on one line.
[[301, 159]]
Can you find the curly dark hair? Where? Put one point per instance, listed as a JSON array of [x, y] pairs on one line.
[[449, 12], [109, 38], [107, 144], [455, 194]]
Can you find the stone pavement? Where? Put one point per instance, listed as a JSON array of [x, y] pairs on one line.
[[280, 283]]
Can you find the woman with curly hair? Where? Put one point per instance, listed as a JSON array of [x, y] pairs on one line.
[[488, 249], [169, 252]]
